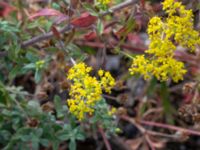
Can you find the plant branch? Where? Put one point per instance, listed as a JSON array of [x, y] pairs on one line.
[[160, 125], [46, 36], [69, 27], [108, 147], [171, 127], [111, 45], [120, 6]]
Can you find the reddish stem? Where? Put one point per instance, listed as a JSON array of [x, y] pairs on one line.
[[111, 45], [171, 127], [108, 147]]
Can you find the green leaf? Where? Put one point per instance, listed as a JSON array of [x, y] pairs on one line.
[[6, 113], [33, 24], [55, 145], [33, 108], [75, 51], [7, 27], [67, 127], [25, 138], [44, 142], [80, 136], [4, 135], [90, 9], [47, 26], [14, 72], [38, 76], [168, 107], [99, 27], [39, 132], [29, 66], [64, 136], [5, 97], [56, 6], [14, 51], [72, 144], [58, 107], [152, 87], [33, 104], [32, 57], [35, 144]]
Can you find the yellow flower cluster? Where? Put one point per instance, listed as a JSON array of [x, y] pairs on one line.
[[39, 64], [104, 2], [106, 80], [86, 90], [176, 28], [112, 111]]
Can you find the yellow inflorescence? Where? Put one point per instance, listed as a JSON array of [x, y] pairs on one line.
[[86, 90], [39, 64], [106, 80], [176, 28], [104, 2]]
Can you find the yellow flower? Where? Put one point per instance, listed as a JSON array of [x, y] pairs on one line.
[[100, 73], [104, 2], [106, 80], [176, 28], [155, 28], [112, 111], [39, 64], [86, 90]]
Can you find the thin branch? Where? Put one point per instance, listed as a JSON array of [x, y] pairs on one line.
[[146, 133], [111, 45], [171, 127], [151, 144], [155, 124], [108, 147], [154, 133], [150, 111], [120, 6], [70, 27], [46, 36]]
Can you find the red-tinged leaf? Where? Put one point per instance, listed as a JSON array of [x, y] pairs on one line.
[[188, 98], [85, 20], [142, 3], [90, 36], [5, 9], [56, 33], [46, 12]]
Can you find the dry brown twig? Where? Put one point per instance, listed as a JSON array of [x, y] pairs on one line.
[[107, 144], [148, 133]]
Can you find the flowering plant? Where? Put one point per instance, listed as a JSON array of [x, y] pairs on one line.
[[164, 35], [86, 90], [44, 104]]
